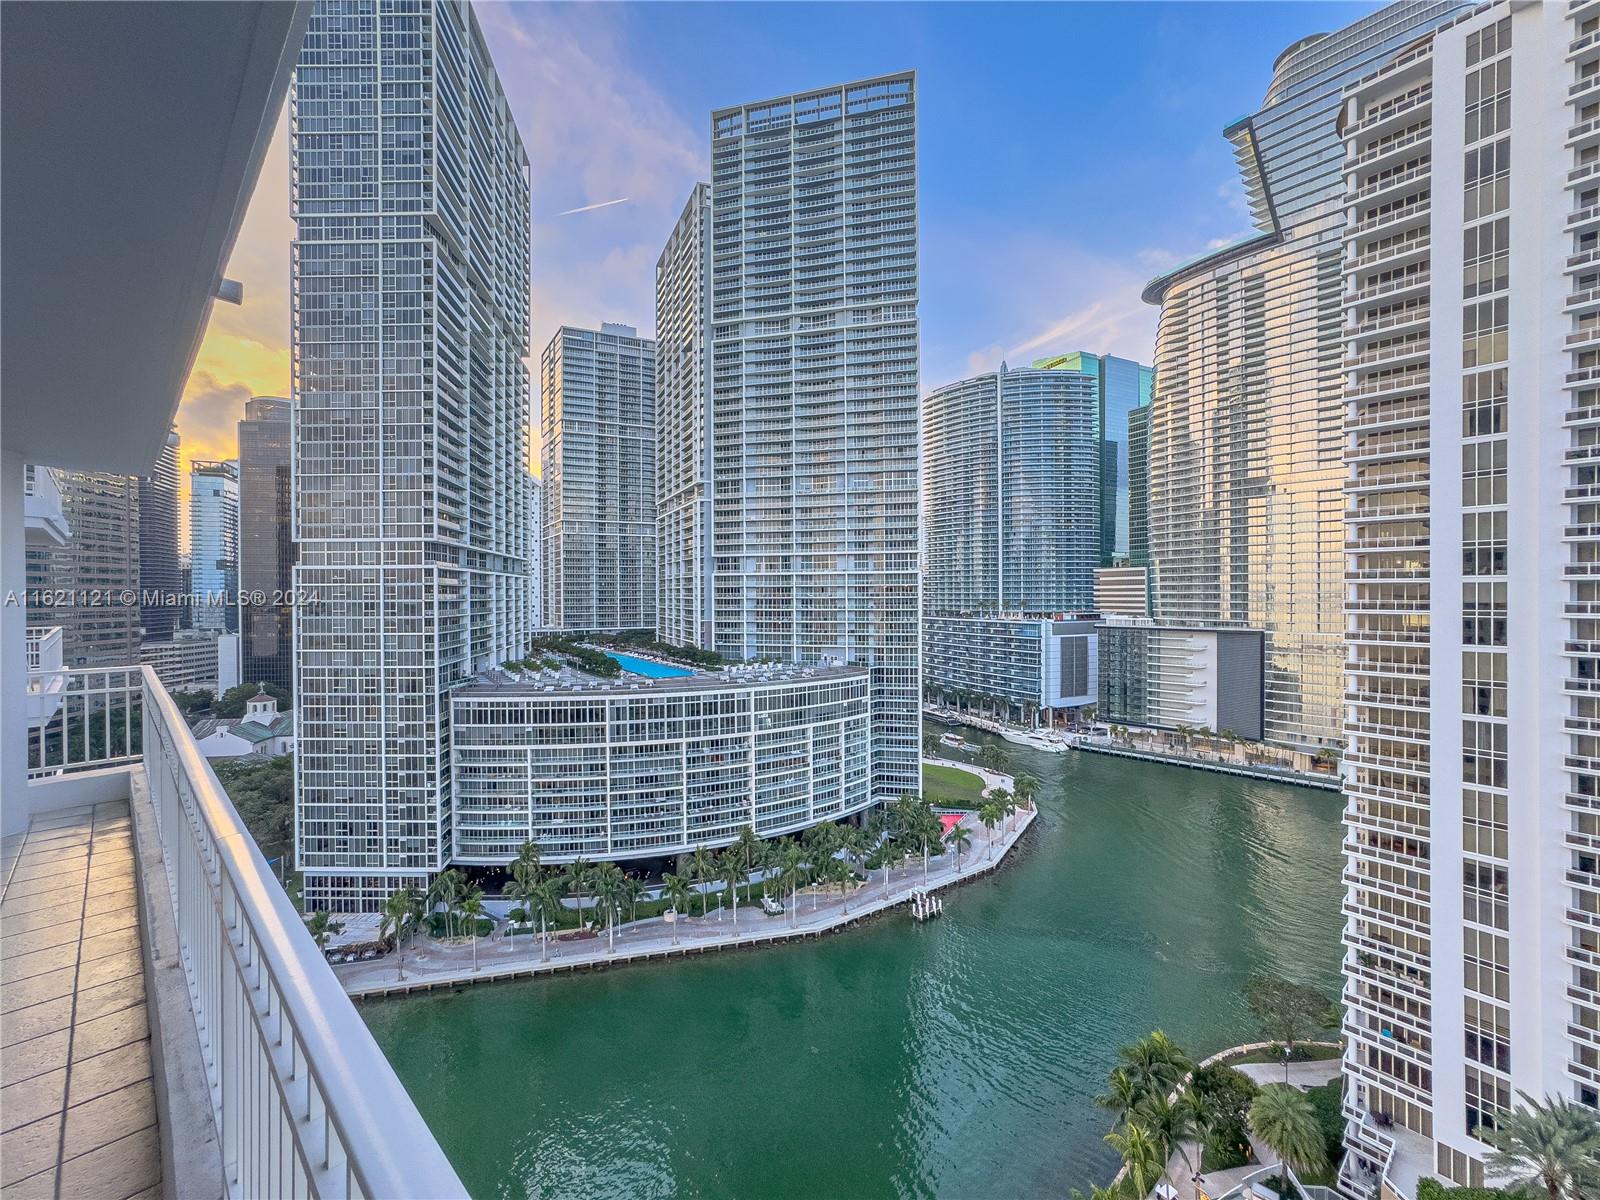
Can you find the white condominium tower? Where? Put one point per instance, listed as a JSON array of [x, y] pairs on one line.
[[412, 491], [683, 435], [1012, 472], [814, 393], [598, 394], [1472, 418], [1245, 457]]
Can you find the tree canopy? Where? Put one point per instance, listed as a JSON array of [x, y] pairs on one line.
[[1288, 1012]]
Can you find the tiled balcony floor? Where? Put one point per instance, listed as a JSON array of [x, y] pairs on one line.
[[77, 1103]]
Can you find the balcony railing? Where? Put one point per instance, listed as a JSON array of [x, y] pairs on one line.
[[304, 1101]]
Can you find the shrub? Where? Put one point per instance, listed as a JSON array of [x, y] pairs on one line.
[[1433, 1189], [1325, 1101]]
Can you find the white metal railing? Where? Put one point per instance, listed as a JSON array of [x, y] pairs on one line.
[[44, 648], [83, 719], [305, 1102]]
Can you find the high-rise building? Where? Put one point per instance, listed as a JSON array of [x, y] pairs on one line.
[[1172, 677], [814, 390], [1012, 476], [1124, 387], [1246, 446], [536, 554], [91, 581], [598, 406], [160, 581], [1139, 486], [410, 426], [1122, 591], [683, 434], [266, 543], [214, 544], [1471, 346]]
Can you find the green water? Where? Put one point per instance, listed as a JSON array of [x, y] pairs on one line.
[[954, 1059]]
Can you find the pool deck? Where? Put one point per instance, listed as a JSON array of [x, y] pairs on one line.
[[819, 911]]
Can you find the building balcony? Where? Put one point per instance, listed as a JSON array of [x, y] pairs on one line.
[[141, 917], [1417, 281]]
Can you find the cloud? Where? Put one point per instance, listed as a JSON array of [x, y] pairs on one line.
[[992, 295], [593, 126]]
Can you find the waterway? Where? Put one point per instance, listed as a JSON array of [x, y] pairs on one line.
[[954, 1059]]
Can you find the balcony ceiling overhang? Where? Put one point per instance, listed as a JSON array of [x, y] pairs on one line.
[[131, 136]]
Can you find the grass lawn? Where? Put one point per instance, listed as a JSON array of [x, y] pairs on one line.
[[951, 786]]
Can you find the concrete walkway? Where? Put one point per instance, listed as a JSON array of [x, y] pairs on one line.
[[819, 910], [77, 1106], [1302, 1075]]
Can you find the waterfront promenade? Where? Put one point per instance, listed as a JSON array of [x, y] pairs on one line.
[[434, 963]]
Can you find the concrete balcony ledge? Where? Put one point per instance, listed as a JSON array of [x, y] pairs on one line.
[[246, 1071]]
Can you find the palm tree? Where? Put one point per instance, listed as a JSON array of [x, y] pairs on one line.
[[1154, 1063], [791, 866], [632, 889], [580, 875], [728, 866], [1026, 788], [472, 910], [992, 758], [545, 899], [1140, 1155], [609, 893], [1171, 1123], [322, 927], [676, 890], [1283, 1119], [931, 831], [528, 854], [446, 889], [845, 876], [989, 814], [1122, 1095], [397, 911], [1203, 1117], [960, 839], [1554, 1145], [746, 844], [702, 866]]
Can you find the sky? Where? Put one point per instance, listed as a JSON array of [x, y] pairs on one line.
[[1068, 152]]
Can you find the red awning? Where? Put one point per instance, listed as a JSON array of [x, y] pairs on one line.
[[950, 820]]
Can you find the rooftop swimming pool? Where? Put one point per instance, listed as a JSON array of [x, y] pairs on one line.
[[643, 666]]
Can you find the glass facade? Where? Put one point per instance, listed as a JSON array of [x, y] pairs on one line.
[[598, 394], [266, 546], [100, 558], [214, 545], [1245, 444], [412, 500], [1012, 477], [1124, 386], [159, 573], [814, 391]]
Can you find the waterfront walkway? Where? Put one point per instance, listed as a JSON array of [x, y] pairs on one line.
[[819, 910]]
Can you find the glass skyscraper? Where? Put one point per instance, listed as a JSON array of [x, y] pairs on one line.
[[266, 545], [1123, 387], [1246, 419], [814, 393], [598, 404], [159, 573], [214, 544], [1012, 476], [412, 491]]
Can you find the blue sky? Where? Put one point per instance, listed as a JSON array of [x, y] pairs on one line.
[[1068, 152]]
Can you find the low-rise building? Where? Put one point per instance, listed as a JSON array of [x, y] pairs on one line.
[[1033, 666], [195, 660], [262, 730], [1179, 676], [636, 767]]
